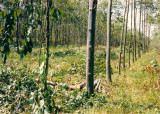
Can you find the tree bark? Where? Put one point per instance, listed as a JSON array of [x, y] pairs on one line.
[[135, 55], [144, 34], [119, 67], [56, 35], [131, 36], [143, 31], [124, 44], [47, 43], [90, 46], [139, 53], [17, 33], [149, 32], [108, 65]]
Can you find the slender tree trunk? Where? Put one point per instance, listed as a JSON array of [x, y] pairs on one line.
[[119, 67], [135, 54], [143, 32], [56, 35], [108, 65], [59, 31], [131, 37], [63, 41], [32, 34], [17, 33], [90, 46], [149, 30], [146, 31], [144, 37], [139, 53], [113, 43], [68, 39], [124, 44], [47, 43], [51, 31], [2, 30]]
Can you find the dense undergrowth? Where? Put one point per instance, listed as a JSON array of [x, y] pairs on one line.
[[135, 90]]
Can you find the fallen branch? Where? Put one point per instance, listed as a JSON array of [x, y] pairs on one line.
[[60, 84], [97, 84], [81, 86], [48, 82]]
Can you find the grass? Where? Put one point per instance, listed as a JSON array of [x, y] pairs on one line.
[[134, 91]]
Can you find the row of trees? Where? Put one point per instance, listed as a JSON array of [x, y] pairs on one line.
[[62, 22], [138, 41], [68, 21], [25, 23], [28, 22]]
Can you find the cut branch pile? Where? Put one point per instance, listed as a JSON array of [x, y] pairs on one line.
[[97, 85]]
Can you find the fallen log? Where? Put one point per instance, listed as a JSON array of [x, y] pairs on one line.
[[67, 86], [97, 84], [48, 82], [81, 86], [60, 84]]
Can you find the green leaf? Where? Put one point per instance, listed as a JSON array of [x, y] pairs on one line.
[[61, 12], [5, 13], [0, 13], [9, 40], [1, 28], [18, 12]]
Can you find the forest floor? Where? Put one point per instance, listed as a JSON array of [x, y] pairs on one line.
[[135, 91]]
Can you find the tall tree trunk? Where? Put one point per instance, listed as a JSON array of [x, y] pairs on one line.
[[108, 65], [146, 28], [139, 53], [69, 27], [149, 32], [135, 55], [124, 44], [90, 46], [47, 43], [56, 35], [17, 33], [59, 31], [2, 30], [51, 31], [121, 40], [143, 31], [63, 34], [131, 37], [144, 34]]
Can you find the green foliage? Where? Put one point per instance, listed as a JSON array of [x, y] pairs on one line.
[[133, 91], [16, 88], [55, 13], [27, 44], [7, 34], [71, 101], [27, 47], [21, 93], [42, 68], [66, 53], [42, 101]]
